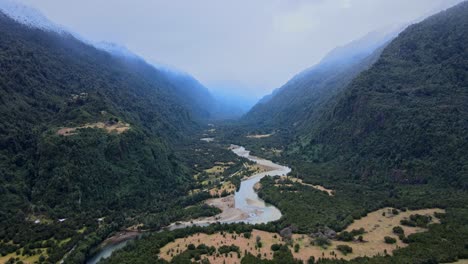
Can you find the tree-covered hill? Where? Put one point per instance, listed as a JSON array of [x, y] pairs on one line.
[[406, 118], [50, 81], [187, 90]]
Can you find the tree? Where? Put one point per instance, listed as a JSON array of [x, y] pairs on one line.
[[296, 248], [345, 249], [398, 230], [389, 240]]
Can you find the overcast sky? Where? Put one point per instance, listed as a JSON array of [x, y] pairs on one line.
[[254, 44]]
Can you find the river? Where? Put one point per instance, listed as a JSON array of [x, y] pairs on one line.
[[248, 207], [247, 200]]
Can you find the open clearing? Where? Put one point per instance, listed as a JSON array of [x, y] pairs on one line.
[[227, 187], [462, 261], [118, 128], [249, 170], [259, 136], [377, 225], [229, 213], [296, 180], [25, 259]]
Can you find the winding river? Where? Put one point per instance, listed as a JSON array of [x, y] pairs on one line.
[[247, 200], [248, 207]]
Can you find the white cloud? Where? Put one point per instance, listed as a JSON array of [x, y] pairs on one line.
[[346, 4]]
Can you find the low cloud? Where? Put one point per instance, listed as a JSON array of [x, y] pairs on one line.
[[260, 43]]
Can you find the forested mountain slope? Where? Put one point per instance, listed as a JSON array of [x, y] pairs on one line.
[[189, 92], [88, 134], [297, 102], [55, 94], [406, 118]]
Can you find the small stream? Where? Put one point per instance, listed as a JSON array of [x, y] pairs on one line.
[[246, 200]]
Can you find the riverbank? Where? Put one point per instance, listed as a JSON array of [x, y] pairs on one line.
[[243, 206], [229, 214]]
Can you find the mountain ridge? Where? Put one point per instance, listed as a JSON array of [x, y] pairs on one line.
[[288, 105], [407, 100]]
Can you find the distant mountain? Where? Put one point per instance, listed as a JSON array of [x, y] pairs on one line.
[[234, 97], [206, 105], [195, 96], [296, 103], [116, 49], [406, 118], [192, 93], [268, 97]]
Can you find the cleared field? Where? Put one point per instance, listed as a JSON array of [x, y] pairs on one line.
[[227, 187], [377, 225], [296, 180], [212, 175], [218, 239], [218, 169], [255, 168], [462, 261], [24, 259], [259, 136], [118, 128]]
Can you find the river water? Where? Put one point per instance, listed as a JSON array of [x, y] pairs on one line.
[[246, 200]]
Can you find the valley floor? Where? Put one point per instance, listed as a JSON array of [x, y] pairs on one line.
[[377, 225]]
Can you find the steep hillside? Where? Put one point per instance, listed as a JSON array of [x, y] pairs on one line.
[[189, 92], [86, 134], [52, 83], [296, 103], [406, 118], [194, 95]]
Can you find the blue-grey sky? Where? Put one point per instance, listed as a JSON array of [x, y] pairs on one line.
[[254, 45]]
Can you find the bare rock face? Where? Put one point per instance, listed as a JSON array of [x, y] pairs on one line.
[[324, 232], [286, 233]]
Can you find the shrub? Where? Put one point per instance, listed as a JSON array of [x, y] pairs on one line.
[[417, 220], [345, 249], [311, 260], [296, 248], [227, 249], [191, 247], [398, 230], [322, 242], [349, 236], [275, 247], [389, 240]]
